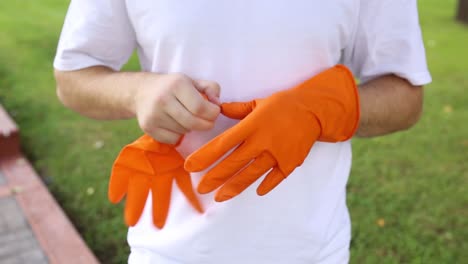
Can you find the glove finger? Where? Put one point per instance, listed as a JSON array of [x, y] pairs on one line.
[[147, 143], [227, 168], [163, 164], [237, 110], [161, 188], [216, 148], [138, 189], [272, 180], [184, 182], [135, 159], [118, 183], [246, 177]]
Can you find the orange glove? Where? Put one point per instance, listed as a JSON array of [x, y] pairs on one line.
[[277, 133], [149, 165]]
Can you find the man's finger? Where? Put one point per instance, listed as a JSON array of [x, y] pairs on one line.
[[246, 177], [194, 102], [180, 117], [211, 89], [169, 122], [164, 136]]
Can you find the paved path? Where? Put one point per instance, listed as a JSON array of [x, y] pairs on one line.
[[17, 241], [33, 227]]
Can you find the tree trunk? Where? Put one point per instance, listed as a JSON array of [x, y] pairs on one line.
[[462, 14]]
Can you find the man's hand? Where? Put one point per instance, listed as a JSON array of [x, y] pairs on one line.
[[171, 105], [166, 105], [276, 133]]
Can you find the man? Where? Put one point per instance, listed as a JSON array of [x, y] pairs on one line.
[[237, 51]]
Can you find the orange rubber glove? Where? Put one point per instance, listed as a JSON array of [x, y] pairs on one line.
[[149, 165], [277, 133]]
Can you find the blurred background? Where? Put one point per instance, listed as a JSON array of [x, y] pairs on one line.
[[408, 193]]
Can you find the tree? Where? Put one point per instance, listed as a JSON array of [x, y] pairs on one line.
[[462, 14]]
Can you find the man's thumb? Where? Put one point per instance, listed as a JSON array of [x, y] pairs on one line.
[[209, 89]]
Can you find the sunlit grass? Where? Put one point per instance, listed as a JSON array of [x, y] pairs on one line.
[[407, 193]]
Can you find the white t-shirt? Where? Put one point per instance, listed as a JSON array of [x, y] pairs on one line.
[[252, 49]]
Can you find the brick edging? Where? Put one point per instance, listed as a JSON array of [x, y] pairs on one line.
[[55, 233], [9, 135]]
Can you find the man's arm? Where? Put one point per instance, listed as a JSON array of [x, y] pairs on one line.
[[388, 104], [98, 92], [166, 105]]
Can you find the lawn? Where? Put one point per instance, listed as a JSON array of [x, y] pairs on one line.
[[408, 192]]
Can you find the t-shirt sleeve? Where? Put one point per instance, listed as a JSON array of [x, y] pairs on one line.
[[95, 32], [388, 40]]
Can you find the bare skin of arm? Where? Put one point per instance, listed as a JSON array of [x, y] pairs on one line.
[[166, 105], [388, 104], [169, 105]]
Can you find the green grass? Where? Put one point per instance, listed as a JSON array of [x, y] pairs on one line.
[[415, 182]]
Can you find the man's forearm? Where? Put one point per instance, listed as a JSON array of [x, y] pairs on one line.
[[166, 106], [99, 92], [388, 104]]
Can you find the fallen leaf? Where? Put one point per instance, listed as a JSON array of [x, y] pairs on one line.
[[448, 109], [448, 236], [90, 191], [16, 189], [98, 144], [431, 43], [381, 222], [20, 161]]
